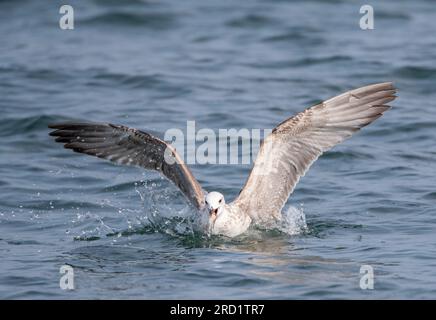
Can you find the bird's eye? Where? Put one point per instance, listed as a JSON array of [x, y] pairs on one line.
[[206, 202], [221, 200]]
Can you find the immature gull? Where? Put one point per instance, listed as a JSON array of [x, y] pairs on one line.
[[284, 156]]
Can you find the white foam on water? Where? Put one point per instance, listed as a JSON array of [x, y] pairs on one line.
[[293, 221]]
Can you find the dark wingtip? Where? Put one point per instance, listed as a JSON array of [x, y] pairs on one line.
[[68, 126], [55, 125], [63, 125]]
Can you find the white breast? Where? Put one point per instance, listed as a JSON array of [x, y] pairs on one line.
[[231, 222]]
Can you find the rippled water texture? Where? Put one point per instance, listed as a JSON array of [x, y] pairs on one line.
[[225, 64]]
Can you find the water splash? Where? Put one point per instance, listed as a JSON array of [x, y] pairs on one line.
[[162, 211], [293, 221]]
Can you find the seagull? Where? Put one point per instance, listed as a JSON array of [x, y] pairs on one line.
[[283, 158]]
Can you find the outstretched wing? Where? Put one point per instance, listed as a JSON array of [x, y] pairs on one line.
[[288, 152], [128, 146]]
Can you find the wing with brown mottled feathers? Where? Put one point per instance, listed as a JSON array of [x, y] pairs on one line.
[[288, 152], [130, 147]]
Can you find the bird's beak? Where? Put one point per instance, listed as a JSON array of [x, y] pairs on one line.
[[213, 212]]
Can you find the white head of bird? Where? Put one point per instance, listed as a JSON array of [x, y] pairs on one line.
[[215, 204]]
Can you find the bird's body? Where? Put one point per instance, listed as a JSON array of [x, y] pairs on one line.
[[285, 155], [231, 222]]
